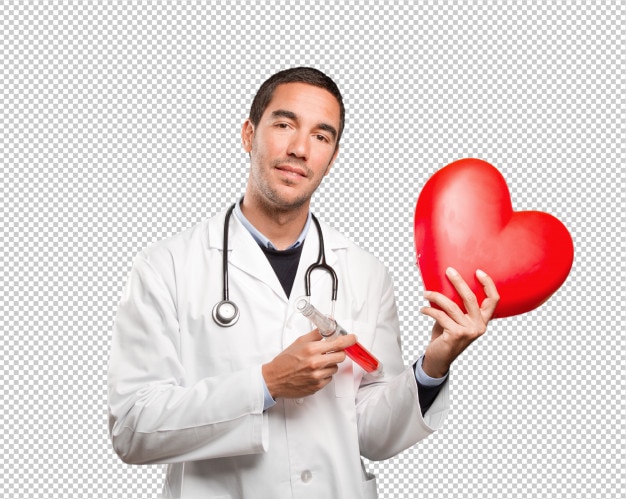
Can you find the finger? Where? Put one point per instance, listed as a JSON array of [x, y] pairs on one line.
[[441, 317], [330, 371], [465, 292], [450, 308], [310, 336], [325, 376], [345, 341], [488, 306], [331, 359], [338, 344]]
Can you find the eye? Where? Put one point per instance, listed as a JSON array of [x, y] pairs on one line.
[[322, 138]]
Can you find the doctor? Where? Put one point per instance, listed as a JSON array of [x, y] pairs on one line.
[[263, 408]]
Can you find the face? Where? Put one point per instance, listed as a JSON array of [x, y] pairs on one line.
[[292, 147]]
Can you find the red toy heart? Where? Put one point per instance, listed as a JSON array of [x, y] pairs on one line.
[[464, 219]]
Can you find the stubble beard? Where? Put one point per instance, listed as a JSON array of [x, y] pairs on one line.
[[269, 197], [273, 202]]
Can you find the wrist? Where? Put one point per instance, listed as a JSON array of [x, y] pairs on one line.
[[434, 369], [266, 370]]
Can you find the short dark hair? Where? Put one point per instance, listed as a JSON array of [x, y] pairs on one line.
[[309, 76]]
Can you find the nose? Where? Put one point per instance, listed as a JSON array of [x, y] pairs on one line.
[[299, 145]]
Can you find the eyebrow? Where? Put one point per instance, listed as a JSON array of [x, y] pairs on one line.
[[283, 113]]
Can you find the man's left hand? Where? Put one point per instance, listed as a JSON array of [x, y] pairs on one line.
[[454, 330]]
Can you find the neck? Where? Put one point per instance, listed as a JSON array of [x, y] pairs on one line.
[[281, 226]]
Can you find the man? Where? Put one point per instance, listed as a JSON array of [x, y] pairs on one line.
[[264, 408]]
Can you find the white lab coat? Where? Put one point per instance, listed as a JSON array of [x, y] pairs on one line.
[[189, 393]]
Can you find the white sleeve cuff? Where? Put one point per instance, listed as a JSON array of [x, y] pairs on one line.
[[268, 401]]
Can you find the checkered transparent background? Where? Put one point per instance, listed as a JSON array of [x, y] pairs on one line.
[[120, 127]]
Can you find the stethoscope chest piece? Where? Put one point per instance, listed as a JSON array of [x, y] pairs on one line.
[[225, 313]]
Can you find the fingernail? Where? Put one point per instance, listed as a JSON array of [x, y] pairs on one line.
[[451, 272], [480, 273]]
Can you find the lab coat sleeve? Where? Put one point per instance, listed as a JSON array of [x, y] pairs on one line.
[[154, 415], [388, 412]]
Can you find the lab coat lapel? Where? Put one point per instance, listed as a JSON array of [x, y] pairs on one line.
[[321, 283], [245, 253]]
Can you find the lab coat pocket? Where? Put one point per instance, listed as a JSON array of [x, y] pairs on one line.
[[370, 490], [344, 380]]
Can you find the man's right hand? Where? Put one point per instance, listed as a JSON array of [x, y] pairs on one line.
[[306, 366]]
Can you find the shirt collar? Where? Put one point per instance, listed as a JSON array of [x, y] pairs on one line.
[[260, 238]]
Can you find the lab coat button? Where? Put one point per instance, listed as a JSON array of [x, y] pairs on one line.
[[299, 401], [306, 476]]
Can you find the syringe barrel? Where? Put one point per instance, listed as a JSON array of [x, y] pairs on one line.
[[329, 328], [326, 326], [359, 354]]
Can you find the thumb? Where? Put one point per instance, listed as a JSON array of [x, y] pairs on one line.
[[437, 331]]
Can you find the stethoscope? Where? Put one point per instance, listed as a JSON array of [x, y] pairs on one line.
[[226, 312]]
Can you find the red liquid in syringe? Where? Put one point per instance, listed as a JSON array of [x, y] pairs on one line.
[[362, 357], [329, 328]]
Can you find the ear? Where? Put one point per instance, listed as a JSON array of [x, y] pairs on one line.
[[332, 160], [247, 135]]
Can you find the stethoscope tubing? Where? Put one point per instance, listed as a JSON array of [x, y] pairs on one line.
[[320, 264], [226, 312]]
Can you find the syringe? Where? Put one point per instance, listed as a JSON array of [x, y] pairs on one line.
[[329, 328]]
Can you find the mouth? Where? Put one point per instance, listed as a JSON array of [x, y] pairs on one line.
[[291, 170]]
